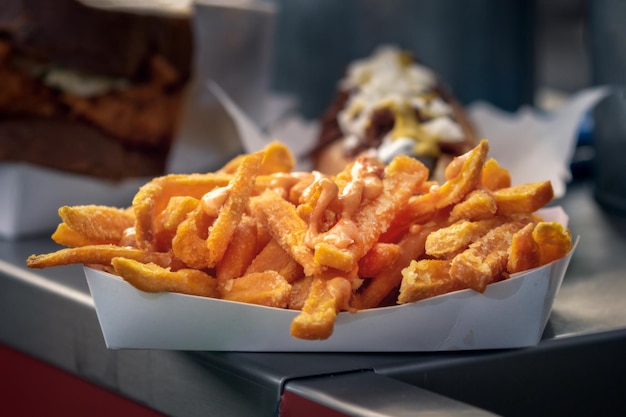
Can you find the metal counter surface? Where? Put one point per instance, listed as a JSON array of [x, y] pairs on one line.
[[50, 315]]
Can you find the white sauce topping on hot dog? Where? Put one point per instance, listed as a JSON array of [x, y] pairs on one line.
[[390, 79]]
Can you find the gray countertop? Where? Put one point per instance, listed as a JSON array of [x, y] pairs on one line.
[[50, 315]]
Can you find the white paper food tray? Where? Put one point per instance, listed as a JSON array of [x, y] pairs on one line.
[[510, 314]]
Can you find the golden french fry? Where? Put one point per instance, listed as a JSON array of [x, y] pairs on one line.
[[524, 198], [374, 261], [266, 288], [524, 251], [351, 238], [278, 159], [274, 258], [97, 224], [477, 205], [300, 290], [166, 223], [486, 258], [463, 175], [553, 239], [153, 197], [65, 236], [450, 240], [230, 213], [325, 299], [410, 247], [97, 254], [427, 278], [240, 252], [150, 277], [494, 176], [285, 226], [189, 242]]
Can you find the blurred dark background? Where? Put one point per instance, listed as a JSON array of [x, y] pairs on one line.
[[510, 52]]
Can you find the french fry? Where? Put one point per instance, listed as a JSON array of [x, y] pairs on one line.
[[97, 224], [486, 258], [266, 288], [154, 196], [477, 205], [463, 175], [325, 299], [240, 252], [494, 176], [285, 226], [65, 236], [410, 247], [427, 278], [97, 254], [524, 198], [274, 258], [300, 290], [189, 242], [524, 251], [372, 218], [377, 258], [450, 240], [233, 209], [553, 240], [278, 159], [151, 277], [176, 211]]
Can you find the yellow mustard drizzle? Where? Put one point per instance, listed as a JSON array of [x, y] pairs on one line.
[[406, 125]]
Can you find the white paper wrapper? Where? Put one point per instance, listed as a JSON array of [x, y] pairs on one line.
[[510, 314], [534, 145]]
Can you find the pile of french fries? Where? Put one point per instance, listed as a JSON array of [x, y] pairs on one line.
[[256, 231]]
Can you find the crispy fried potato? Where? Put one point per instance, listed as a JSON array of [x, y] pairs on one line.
[[524, 251], [351, 238], [234, 207], [553, 240], [278, 159], [167, 222], [524, 198], [97, 254], [410, 247], [189, 242], [274, 258], [374, 261], [463, 175], [97, 224], [285, 226], [266, 288], [477, 205], [427, 278], [494, 176], [325, 299], [65, 236], [486, 258], [151, 277], [450, 240], [240, 252], [154, 196]]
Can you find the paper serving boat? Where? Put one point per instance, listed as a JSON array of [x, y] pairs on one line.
[[510, 314]]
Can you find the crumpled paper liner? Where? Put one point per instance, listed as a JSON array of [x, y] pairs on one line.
[[534, 145]]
